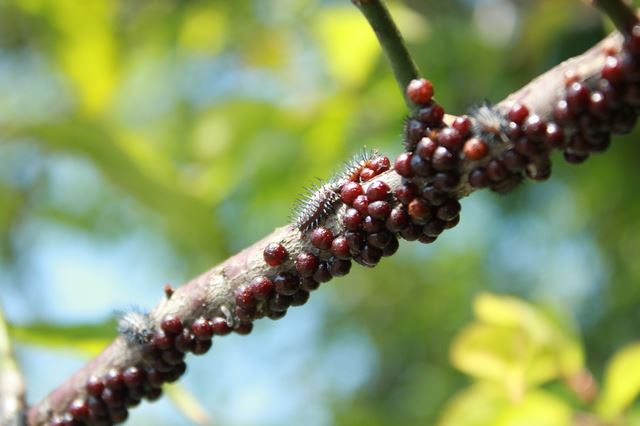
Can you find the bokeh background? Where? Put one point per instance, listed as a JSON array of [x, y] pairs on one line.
[[142, 142]]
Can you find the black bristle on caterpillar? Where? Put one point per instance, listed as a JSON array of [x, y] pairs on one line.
[[319, 200], [135, 326], [412, 131], [353, 167], [488, 123], [405, 138], [313, 207]]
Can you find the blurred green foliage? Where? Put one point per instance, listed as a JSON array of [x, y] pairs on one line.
[[512, 350], [198, 123]]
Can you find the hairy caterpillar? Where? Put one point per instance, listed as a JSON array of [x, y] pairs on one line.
[[488, 123], [135, 326], [320, 200], [316, 205], [353, 168]]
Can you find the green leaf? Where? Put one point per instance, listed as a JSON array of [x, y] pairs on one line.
[[544, 331], [88, 51], [484, 404], [515, 344], [538, 408], [621, 382], [505, 311], [89, 340], [484, 400], [502, 355]]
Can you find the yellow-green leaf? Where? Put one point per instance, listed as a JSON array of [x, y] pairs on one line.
[[506, 311], [544, 331], [88, 52], [621, 381], [484, 404], [538, 408], [478, 405], [89, 340], [515, 344], [502, 355]]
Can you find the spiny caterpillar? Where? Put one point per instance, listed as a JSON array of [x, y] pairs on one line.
[[316, 205], [135, 326], [488, 123], [320, 200], [353, 168]]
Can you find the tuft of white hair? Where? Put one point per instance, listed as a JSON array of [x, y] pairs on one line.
[[488, 123], [135, 326]]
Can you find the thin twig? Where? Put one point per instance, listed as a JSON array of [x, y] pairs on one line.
[[619, 11], [404, 68]]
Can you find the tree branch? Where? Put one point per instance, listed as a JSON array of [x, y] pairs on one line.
[[402, 64], [220, 292]]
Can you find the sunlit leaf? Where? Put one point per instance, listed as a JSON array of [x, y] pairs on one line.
[[515, 344], [486, 405], [621, 381], [503, 355], [187, 403], [88, 51], [538, 408], [349, 45], [478, 405], [505, 311], [545, 331]]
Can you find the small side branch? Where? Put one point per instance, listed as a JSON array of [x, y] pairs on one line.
[[404, 68], [619, 11]]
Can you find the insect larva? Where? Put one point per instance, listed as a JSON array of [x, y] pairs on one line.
[[316, 205], [354, 167], [135, 326], [320, 200], [488, 123]]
